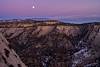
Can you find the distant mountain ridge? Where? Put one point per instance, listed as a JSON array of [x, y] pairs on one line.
[[60, 18]]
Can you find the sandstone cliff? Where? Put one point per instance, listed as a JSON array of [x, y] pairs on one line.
[[8, 57], [54, 44]]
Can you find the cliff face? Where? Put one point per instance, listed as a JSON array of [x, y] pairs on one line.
[[52, 44], [8, 57]]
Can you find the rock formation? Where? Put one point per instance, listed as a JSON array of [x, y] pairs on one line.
[[8, 57], [53, 43]]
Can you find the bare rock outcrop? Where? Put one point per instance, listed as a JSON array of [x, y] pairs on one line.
[[54, 44], [8, 57]]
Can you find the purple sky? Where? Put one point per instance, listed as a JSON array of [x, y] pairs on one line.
[[70, 8]]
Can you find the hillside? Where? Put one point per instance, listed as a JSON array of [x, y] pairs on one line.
[[52, 43]]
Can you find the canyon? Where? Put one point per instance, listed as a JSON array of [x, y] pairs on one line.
[[51, 43]]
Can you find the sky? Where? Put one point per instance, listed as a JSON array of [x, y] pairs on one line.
[[66, 8]]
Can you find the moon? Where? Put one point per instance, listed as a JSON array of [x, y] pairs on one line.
[[33, 7]]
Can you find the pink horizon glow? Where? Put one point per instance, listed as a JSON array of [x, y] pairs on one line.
[[49, 7]]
